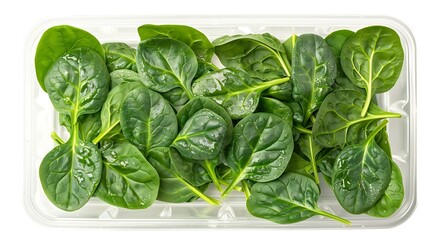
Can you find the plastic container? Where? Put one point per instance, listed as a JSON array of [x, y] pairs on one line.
[[41, 119]]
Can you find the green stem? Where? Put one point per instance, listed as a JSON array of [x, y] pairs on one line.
[[313, 160], [231, 186], [246, 189], [213, 66], [197, 192], [302, 129], [332, 216], [188, 93], [104, 133], [367, 102], [57, 138], [212, 174], [225, 183], [376, 130]]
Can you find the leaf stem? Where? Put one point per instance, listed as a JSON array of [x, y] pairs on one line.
[[367, 102], [377, 129], [57, 138], [231, 186], [200, 194], [335, 217], [225, 183], [302, 129], [246, 189], [212, 174]]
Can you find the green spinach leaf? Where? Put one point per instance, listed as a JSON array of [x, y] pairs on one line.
[[276, 107], [123, 76], [120, 56], [234, 89], [176, 97], [336, 41], [58, 41], [190, 170]]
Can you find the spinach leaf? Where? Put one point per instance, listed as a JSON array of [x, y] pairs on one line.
[[234, 89], [70, 173], [164, 64], [336, 41], [204, 68], [198, 103], [195, 39], [260, 55], [361, 174], [128, 180], [176, 97], [120, 56], [289, 46], [188, 169], [147, 120], [372, 59], [261, 148], [276, 107], [118, 77], [326, 160], [89, 126], [291, 198], [298, 114], [392, 198], [110, 112], [78, 83], [173, 188], [58, 41], [299, 165], [343, 83], [281, 92], [339, 122], [202, 136], [313, 72]]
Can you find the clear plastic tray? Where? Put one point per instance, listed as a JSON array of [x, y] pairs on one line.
[[41, 119]]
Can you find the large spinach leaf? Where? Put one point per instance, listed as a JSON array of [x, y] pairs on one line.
[[164, 64], [291, 198], [339, 121], [202, 136], [361, 174], [70, 173], [313, 72], [261, 148], [195, 39], [198, 103], [78, 83], [260, 55], [234, 89], [120, 56], [173, 188], [56, 42], [372, 59], [110, 112], [128, 180], [147, 119]]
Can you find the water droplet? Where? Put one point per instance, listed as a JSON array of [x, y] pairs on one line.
[[67, 100], [123, 163], [114, 154]]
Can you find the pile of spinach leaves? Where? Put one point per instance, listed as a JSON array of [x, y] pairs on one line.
[[163, 122]]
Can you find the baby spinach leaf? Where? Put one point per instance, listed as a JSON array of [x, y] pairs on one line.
[[282, 92], [261, 148], [336, 41], [118, 77], [204, 67], [58, 41], [313, 72], [195, 39], [289, 46], [338, 120], [298, 115], [128, 180], [89, 126], [202, 136], [78, 83], [276, 107], [291, 198], [188, 169], [310, 149], [260, 55], [361, 174], [297, 164], [326, 160], [110, 112], [392, 198], [164, 64], [147, 119], [197, 103], [372, 59], [173, 188], [176, 97], [120, 56], [343, 83], [70, 173], [234, 89]]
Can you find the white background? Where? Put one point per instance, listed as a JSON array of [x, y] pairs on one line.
[[18, 18]]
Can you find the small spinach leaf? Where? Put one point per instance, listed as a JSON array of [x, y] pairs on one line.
[[261, 148], [58, 41], [234, 89], [282, 92], [276, 107], [291, 198], [202, 136], [120, 56], [176, 97], [123, 76], [188, 169], [128, 180], [336, 41], [147, 119]]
